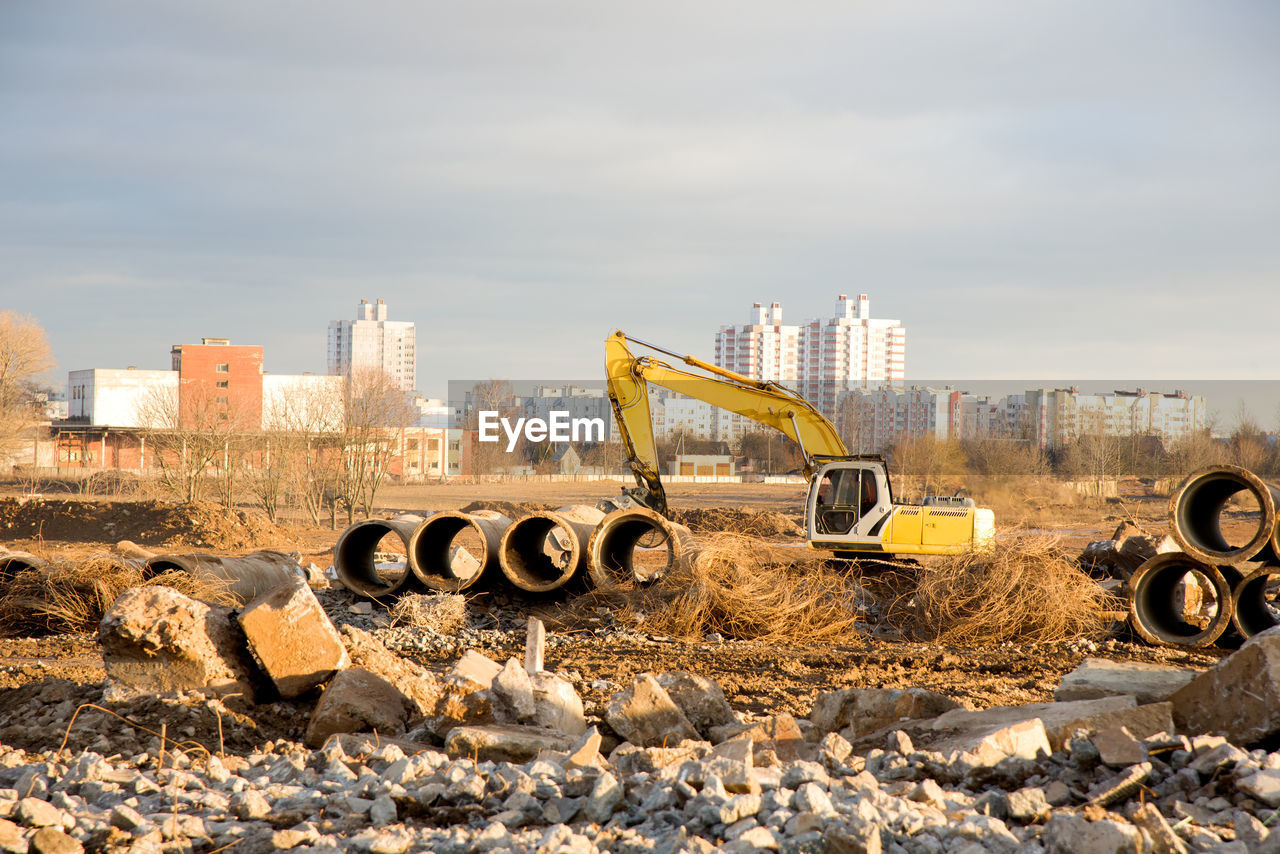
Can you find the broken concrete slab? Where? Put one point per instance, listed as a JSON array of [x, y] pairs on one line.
[[645, 714], [1239, 697], [1141, 721], [291, 637], [535, 643], [990, 743], [357, 700], [512, 694], [475, 667], [411, 679], [156, 639], [1118, 748], [628, 758], [701, 699], [1099, 677], [1060, 720], [504, 743], [866, 710], [777, 733], [556, 704], [461, 703]]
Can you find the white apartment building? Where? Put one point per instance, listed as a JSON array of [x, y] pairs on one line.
[[822, 358], [872, 420], [1060, 416], [372, 341], [764, 349], [850, 350]]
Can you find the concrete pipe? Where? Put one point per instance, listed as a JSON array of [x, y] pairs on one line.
[[549, 551], [1197, 507], [12, 563], [637, 546], [243, 578], [1256, 601], [1164, 609], [452, 550], [354, 557]]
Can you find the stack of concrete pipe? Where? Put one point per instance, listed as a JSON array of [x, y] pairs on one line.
[[1242, 578], [551, 553]]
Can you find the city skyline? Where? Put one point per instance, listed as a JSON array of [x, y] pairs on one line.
[[523, 184]]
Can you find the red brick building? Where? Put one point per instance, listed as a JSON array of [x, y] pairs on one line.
[[217, 379]]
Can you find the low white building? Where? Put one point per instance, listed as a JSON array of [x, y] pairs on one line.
[[117, 397]]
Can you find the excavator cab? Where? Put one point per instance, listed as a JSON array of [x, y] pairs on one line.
[[848, 502]]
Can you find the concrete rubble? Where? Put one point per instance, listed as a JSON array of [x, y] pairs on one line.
[[494, 756]]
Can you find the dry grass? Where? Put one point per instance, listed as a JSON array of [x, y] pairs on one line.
[[71, 596], [1026, 589], [443, 613], [747, 589]]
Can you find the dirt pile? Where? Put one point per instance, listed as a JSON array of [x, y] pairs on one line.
[[155, 523], [736, 520]]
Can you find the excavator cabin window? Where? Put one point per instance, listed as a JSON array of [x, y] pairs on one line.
[[844, 497]]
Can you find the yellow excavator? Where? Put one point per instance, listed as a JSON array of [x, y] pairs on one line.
[[849, 508]]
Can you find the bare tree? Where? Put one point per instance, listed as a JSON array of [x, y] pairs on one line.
[[292, 463], [936, 464], [375, 414], [24, 358], [1248, 446], [492, 395], [195, 434]]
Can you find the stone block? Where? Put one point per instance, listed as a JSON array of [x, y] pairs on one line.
[[411, 679], [499, 743], [357, 700], [644, 714], [865, 710], [994, 742], [156, 639], [1239, 697], [556, 705], [1075, 834], [701, 699], [291, 637], [1098, 677]]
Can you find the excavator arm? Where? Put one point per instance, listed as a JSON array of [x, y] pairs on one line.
[[766, 402]]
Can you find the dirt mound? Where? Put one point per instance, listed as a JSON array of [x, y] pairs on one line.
[[153, 523], [734, 520], [510, 509]]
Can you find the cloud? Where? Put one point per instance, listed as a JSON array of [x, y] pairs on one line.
[[1076, 183]]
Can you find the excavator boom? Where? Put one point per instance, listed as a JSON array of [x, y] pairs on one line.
[[766, 402]]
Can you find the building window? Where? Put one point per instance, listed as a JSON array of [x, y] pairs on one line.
[[223, 368], [223, 400], [224, 384]]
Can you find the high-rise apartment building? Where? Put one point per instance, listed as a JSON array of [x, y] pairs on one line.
[[823, 358], [372, 342], [850, 350], [764, 349]]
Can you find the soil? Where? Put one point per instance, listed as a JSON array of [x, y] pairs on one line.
[[63, 672]]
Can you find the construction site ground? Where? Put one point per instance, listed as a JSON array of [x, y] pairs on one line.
[[756, 677]]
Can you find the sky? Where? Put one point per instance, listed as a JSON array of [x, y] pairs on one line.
[[1054, 189]]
